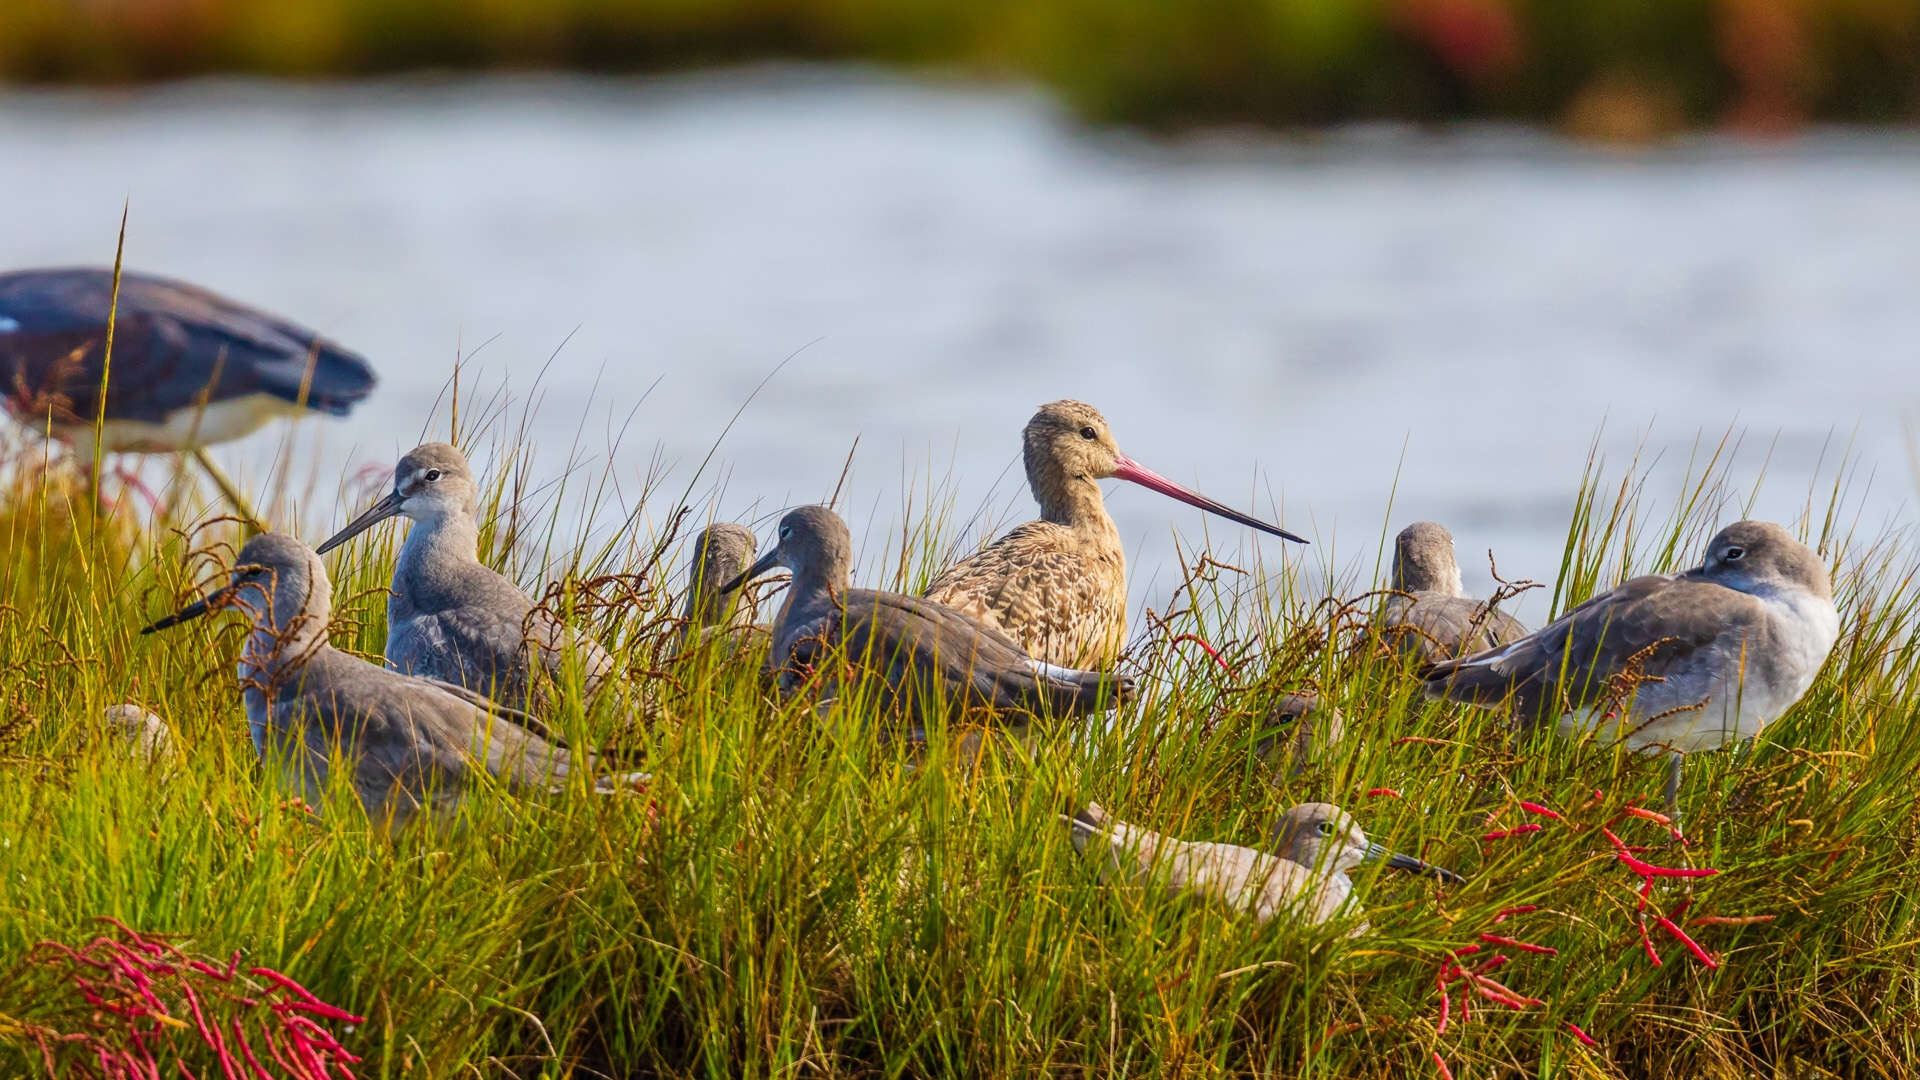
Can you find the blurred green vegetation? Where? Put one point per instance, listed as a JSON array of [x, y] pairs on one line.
[[1609, 68]]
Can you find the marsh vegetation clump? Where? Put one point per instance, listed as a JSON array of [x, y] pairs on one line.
[[793, 896]]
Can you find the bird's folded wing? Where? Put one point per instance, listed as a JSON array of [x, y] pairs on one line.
[[1651, 624]]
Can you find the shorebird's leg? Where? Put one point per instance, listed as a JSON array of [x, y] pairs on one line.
[[241, 507], [1675, 760]]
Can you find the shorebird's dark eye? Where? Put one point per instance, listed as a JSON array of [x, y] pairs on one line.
[[1733, 554], [786, 531], [432, 475], [1326, 828], [1089, 433]]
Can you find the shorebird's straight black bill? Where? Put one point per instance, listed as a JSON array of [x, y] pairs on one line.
[[191, 612], [377, 513], [1397, 861], [1125, 468], [767, 562]]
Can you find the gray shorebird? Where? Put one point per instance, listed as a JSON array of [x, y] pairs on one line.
[[1679, 663], [1298, 726], [414, 747], [717, 556], [190, 368], [1430, 617], [1058, 586], [450, 616], [1315, 846], [143, 736], [933, 663]]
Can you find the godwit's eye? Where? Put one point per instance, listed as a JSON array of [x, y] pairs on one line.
[[432, 475], [1733, 554], [1325, 828], [786, 531], [1088, 433]]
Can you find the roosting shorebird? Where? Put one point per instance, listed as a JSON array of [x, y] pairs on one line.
[[1430, 617], [1299, 726], [716, 558], [452, 617], [1316, 845], [413, 746], [933, 663], [1058, 586], [190, 368], [1671, 663]]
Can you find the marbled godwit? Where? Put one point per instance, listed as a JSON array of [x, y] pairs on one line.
[[1317, 845], [1435, 619], [1702, 659], [717, 556], [190, 368], [933, 663], [450, 616], [1058, 586], [412, 746]]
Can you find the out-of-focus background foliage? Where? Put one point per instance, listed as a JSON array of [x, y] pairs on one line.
[[1604, 68]]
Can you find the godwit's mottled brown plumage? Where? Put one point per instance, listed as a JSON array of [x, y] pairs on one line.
[[1058, 586]]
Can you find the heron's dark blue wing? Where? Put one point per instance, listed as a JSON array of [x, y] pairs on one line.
[[173, 342]]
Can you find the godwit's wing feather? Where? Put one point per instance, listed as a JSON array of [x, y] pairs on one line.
[[1061, 600], [1663, 624]]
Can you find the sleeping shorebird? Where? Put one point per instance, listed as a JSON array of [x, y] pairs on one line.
[[933, 663], [1058, 586], [414, 746], [451, 617], [1430, 617], [1671, 663], [1316, 845], [190, 368]]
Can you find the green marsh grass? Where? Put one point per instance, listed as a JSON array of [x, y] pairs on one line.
[[793, 898]]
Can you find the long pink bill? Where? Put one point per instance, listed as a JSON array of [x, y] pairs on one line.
[[1133, 472]]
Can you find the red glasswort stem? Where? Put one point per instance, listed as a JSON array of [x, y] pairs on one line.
[[1387, 791], [1585, 1039], [1465, 950], [246, 1051], [1639, 812], [1523, 946], [1211, 651], [1648, 870], [1647, 942], [1507, 991], [1536, 808], [1523, 909], [1491, 963], [1693, 946], [1517, 830], [1446, 1073], [1446, 1004]]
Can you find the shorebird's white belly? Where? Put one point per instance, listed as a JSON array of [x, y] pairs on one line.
[[183, 429], [1747, 694]]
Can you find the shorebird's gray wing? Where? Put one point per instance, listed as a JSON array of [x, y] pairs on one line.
[[1044, 594], [1430, 627], [1244, 879], [556, 645], [170, 339], [917, 638], [468, 645], [1658, 624]]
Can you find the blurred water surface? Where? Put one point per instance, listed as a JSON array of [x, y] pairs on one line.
[[1293, 325]]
